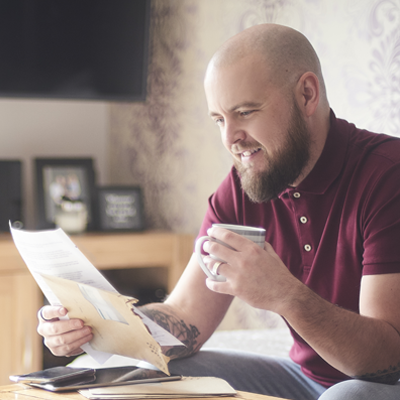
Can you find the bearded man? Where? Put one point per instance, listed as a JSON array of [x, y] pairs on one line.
[[328, 195]]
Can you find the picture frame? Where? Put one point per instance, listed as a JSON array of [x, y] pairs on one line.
[[57, 178], [120, 208]]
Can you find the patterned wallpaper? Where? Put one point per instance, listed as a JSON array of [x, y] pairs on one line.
[[168, 144]]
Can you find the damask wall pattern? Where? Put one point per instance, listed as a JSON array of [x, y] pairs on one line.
[[169, 146]]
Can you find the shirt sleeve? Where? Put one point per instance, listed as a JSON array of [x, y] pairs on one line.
[[381, 225]]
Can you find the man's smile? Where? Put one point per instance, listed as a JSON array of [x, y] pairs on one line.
[[249, 153]]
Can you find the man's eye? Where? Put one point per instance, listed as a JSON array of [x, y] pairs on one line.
[[245, 113], [219, 121]]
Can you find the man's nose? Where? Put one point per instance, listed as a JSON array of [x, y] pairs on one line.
[[233, 133]]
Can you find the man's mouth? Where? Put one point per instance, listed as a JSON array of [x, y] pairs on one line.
[[249, 153]]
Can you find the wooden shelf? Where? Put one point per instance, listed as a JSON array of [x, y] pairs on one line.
[[20, 297]]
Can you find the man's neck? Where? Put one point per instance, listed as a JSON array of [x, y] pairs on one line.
[[319, 129]]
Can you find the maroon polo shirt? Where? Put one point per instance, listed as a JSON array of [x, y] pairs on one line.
[[340, 223]]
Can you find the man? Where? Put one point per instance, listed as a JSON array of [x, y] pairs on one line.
[[328, 196]]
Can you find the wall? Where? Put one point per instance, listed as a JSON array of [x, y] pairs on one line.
[[168, 144], [48, 128]]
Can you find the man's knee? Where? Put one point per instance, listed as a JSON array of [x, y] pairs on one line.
[[361, 390]]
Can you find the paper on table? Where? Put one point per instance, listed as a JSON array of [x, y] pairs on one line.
[[53, 253], [186, 387]]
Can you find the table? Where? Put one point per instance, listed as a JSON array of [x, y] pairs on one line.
[[24, 392], [20, 297]]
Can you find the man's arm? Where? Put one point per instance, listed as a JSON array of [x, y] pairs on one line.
[[166, 317], [191, 313], [365, 345]]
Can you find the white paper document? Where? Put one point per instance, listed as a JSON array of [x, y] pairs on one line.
[[52, 253], [187, 387]]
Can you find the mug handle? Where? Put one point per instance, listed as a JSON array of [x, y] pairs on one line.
[[198, 247]]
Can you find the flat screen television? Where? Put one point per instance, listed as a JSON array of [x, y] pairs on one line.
[[74, 49]]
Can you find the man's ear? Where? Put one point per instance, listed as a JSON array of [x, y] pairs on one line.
[[307, 93]]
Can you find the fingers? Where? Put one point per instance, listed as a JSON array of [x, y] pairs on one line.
[[227, 244], [217, 287], [63, 337], [69, 343], [226, 236], [213, 265], [49, 313], [217, 250], [216, 266]]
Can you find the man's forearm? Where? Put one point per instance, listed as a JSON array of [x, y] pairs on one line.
[[165, 317], [361, 347]]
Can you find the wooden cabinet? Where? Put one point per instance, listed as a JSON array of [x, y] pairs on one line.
[[20, 345], [20, 297]]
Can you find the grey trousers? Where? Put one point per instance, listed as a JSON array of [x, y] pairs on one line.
[[275, 376]]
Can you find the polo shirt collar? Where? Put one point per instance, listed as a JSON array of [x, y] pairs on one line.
[[330, 162]]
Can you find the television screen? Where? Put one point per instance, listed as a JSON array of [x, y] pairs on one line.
[[74, 49]]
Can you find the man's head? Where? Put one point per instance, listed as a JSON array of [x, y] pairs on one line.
[[265, 91]]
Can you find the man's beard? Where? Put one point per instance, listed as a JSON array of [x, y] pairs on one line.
[[282, 168]]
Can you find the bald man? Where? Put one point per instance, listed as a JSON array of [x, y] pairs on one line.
[[328, 195]]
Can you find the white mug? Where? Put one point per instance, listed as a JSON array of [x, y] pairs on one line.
[[257, 235]]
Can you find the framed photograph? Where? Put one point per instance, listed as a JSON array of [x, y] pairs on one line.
[[120, 208], [64, 179]]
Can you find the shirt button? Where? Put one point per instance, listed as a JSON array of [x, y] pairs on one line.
[[296, 195], [307, 247], [303, 220]]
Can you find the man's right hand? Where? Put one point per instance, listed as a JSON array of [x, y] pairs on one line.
[[62, 337]]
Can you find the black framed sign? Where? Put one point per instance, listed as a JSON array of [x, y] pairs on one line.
[[120, 208], [61, 179]]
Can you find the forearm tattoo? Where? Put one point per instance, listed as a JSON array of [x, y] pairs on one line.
[[178, 328], [388, 376]]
